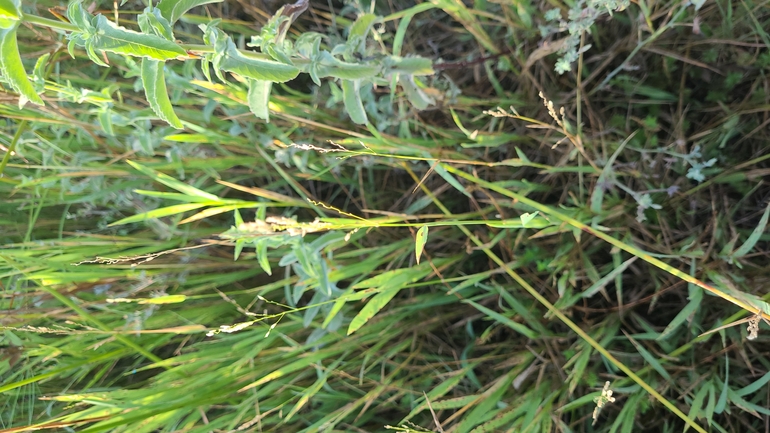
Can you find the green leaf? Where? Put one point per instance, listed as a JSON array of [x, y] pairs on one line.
[[173, 183], [172, 10], [258, 98], [649, 358], [105, 121], [79, 16], [119, 40], [352, 98], [754, 237], [371, 308], [696, 296], [410, 65], [419, 242], [607, 278], [153, 23], [330, 66], [527, 217], [359, 31], [13, 70], [10, 10], [264, 263], [158, 213], [606, 176], [487, 403], [414, 94], [257, 69], [154, 83], [439, 168], [754, 386], [497, 317]]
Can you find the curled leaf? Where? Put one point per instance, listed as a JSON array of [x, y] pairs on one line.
[[352, 98], [154, 83], [12, 68]]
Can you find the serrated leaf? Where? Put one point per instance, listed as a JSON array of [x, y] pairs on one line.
[[119, 40], [258, 69], [371, 308], [154, 83], [172, 10], [10, 9], [419, 242], [258, 98], [12, 68], [351, 95]]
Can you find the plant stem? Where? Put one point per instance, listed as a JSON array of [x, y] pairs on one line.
[[12, 146], [45, 22]]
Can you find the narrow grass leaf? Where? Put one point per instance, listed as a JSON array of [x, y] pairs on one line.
[[488, 402], [697, 404], [695, 300], [154, 83], [173, 183], [754, 386], [419, 242], [172, 10], [305, 361], [454, 403], [518, 327], [597, 197], [207, 213], [439, 391], [441, 170], [371, 308], [158, 213], [172, 196], [351, 95], [711, 404], [119, 40], [649, 358], [722, 401], [258, 98], [607, 278], [13, 69], [754, 237]]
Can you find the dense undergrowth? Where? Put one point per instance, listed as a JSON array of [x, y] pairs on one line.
[[475, 239]]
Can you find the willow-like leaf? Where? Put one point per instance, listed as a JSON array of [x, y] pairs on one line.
[[13, 69], [154, 83]]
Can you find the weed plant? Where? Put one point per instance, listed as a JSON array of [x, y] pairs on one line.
[[230, 216]]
